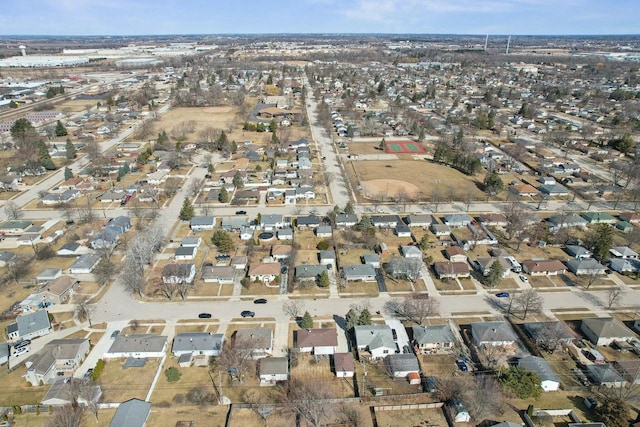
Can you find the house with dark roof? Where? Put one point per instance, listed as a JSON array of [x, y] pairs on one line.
[[432, 338], [402, 365], [70, 249], [605, 375], [105, 239], [605, 330], [7, 258], [493, 334], [61, 393], [199, 223], [625, 265], [385, 221], [346, 220], [343, 365], [308, 221], [29, 326], [578, 252], [320, 342], [629, 370], [307, 272], [120, 224], [549, 380], [361, 272], [132, 413]]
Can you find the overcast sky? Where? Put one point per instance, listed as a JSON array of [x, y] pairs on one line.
[[130, 17]]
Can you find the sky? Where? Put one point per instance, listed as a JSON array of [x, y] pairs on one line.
[[147, 17]]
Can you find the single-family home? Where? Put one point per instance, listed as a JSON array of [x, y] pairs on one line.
[[132, 413], [362, 272], [385, 221], [6, 258], [199, 223], [308, 221], [58, 291], [239, 262], [548, 335], [411, 251], [440, 230], [259, 340], [120, 224], [285, 234], [29, 326], [451, 270], [58, 357], [234, 223], [494, 219], [191, 242], [455, 254], [371, 259], [485, 264], [585, 267], [84, 264], [273, 369], [546, 267], [402, 365], [493, 334], [578, 252], [623, 252], [137, 346], [223, 274], [48, 274], [549, 380], [327, 257], [265, 272], [459, 412], [605, 375], [70, 249], [197, 343], [307, 272], [598, 218], [178, 273], [629, 370], [343, 365], [427, 339], [185, 253], [457, 220], [605, 330], [281, 252], [323, 231], [631, 217], [420, 220], [376, 340], [107, 238], [271, 222], [569, 220], [402, 230], [320, 342], [554, 190], [625, 265], [346, 220], [61, 393]]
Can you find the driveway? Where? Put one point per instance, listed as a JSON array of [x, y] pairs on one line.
[[401, 333]]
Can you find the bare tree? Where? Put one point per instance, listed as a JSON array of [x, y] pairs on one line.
[[415, 308], [252, 398], [196, 185], [293, 307], [200, 396], [236, 355], [66, 416], [105, 271], [84, 310], [614, 295], [529, 301], [484, 398], [307, 399], [12, 210]]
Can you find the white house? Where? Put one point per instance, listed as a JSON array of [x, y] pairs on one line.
[[377, 340], [197, 343], [137, 346], [273, 369], [343, 365]]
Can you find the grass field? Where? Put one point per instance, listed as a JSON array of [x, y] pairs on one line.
[[119, 384]]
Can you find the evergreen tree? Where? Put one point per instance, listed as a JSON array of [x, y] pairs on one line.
[[383, 144], [493, 183], [223, 197], [237, 180], [323, 280], [600, 240], [307, 321], [187, 212], [60, 129], [223, 241], [21, 128], [352, 319], [163, 138], [70, 150], [44, 157], [524, 384], [495, 275], [365, 317], [349, 209], [67, 174]]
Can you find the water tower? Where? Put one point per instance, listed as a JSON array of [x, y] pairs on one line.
[[23, 50]]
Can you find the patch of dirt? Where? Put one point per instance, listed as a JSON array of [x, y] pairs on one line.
[[389, 187]]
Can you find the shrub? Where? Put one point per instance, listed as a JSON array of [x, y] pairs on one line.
[[178, 398], [323, 245], [172, 374]]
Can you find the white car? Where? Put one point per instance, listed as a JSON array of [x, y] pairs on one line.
[[524, 278], [18, 351]]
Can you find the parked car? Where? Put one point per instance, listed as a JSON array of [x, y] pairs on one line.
[[241, 212], [247, 313], [590, 402], [260, 301], [23, 343], [222, 257], [204, 315], [88, 373], [462, 365], [17, 351], [114, 334], [502, 294], [524, 278]]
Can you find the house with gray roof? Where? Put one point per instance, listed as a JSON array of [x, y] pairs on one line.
[[137, 346], [385, 221], [199, 223], [457, 220], [411, 251], [107, 238], [401, 365], [48, 274], [84, 264], [273, 369], [433, 338], [178, 273], [623, 252], [306, 272], [234, 223], [323, 231], [420, 220], [585, 267], [361, 272], [493, 334], [259, 340], [6, 258], [371, 259], [191, 241], [308, 221], [549, 380], [374, 341], [58, 357], [120, 224], [327, 257], [271, 222], [569, 220], [70, 249], [185, 253], [29, 326], [549, 335], [197, 343], [605, 330], [223, 274], [599, 218], [132, 413], [61, 393], [625, 265], [605, 374], [346, 220], [285, 233], [578, 252]]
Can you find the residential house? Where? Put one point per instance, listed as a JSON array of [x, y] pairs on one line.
[[323, 231], [197, 343], [344, 365], [493, 334], [58, 291], [120, 224], [105, 239], [605, 375], [484, 265], [70, 249], [403, 365], [385, 221], [246, 233], [554, 190], [191, 242], [402, 230], [585, 267], [52, 199], [9, 182], [371, 259], [327, 257], [271, 222], [547, 267], [459, 412], [309, 221], [29, 326], [281, 252], [420, 220], [377, 340], [578, 252], [234, 223], [132, 413], [427, 339], [285, 234], [623, 252], [494, 219], [137, 346], [273, 369], [440, 230], [222, 275], [84, 264], [239, 262], [362, 272], [58, 357], [570, 220], [523, 190], [61, 393], [185, 253], [549, 380], [455, 254], [605, 330], [631, 217], [457, 220], [178, 273], [265, 272], [404, 268], [199, 223], [629, 370], [6, 258], [598, 218], [306, 272], [548, 335], [48, 274], [259, 340], [451, 270], [411, 251], [115, 195], [320, 342], [346, 220]]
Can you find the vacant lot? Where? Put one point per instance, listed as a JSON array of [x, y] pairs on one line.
[[222, 118], [120, 384], [411, 417]]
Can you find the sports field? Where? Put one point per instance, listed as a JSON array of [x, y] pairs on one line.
[[399, 147]]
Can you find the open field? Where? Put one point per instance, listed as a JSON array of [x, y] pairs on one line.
[[119, 384], [411, 417]]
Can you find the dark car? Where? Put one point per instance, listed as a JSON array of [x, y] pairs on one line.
[[222, 257], [241, 212], [247, 313], [23, 343], [283, 269], [204, 315], [502, 294], [260, 301], [88, 373], [207, 264], [208, 176], [114, 334], [461, 365]]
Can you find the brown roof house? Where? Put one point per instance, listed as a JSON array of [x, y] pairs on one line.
[[455, 254], [547, 267], [321, 342], [58, 290], [265, 272], [343, 365], [451, 270]]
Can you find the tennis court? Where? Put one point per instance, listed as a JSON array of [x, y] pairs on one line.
[[398, 147]]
